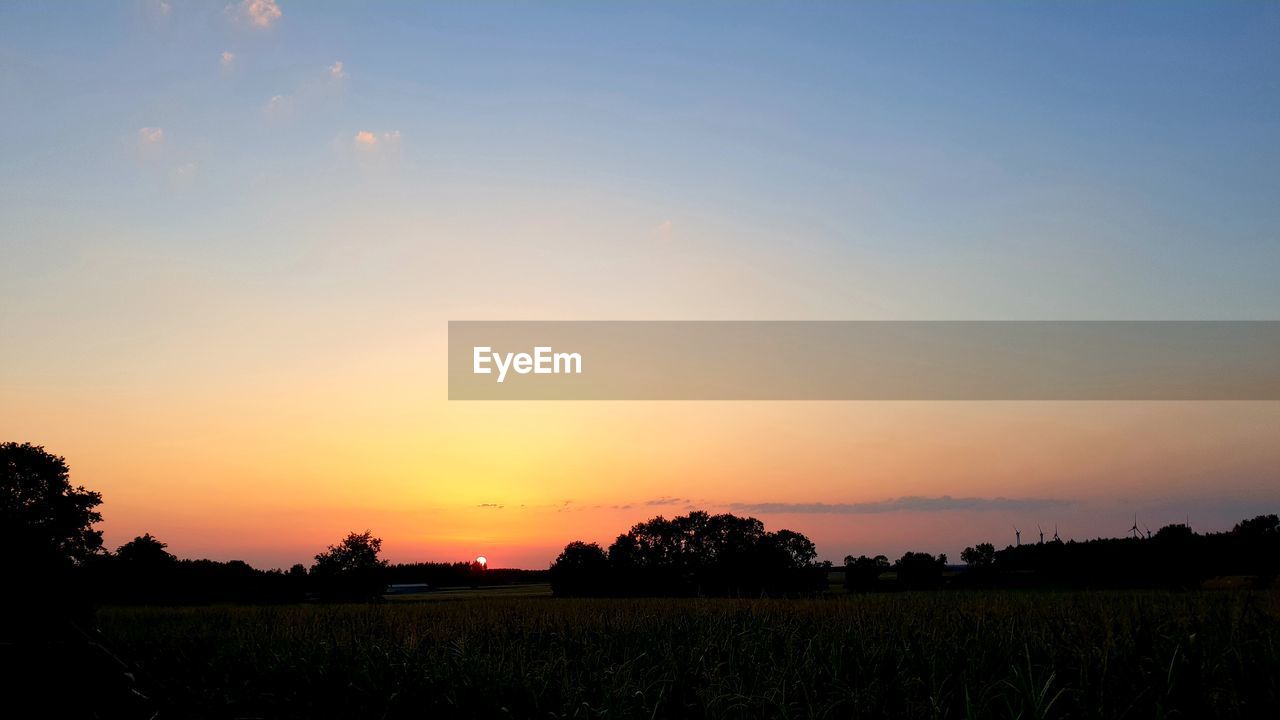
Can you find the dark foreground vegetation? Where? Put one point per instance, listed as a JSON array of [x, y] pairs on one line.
[[1000, 654]]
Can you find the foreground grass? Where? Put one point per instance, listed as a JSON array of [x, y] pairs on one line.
[[953, 655]]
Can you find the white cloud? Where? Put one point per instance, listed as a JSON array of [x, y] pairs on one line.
[[336, 72], [279, 107], [368, 139], [258, 13], [150, 136], [228, 58]]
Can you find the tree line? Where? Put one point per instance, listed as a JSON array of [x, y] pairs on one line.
[[55, 562], [142, 571], [694, 554], [50, 550]]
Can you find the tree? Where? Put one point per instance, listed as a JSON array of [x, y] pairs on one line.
[[1175, 533], [145, 550], [1260, 526], [45, 521], [582, 569], [862, 573], [919, 571], [351, 570], [980, 556], [704, 554], [797, 550]]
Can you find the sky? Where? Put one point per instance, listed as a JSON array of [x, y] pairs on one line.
[[232, 235]]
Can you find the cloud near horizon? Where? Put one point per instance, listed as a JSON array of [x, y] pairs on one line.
[[665, 501], [906, 503]]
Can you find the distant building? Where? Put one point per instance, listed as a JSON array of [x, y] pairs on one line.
[[407, 588]]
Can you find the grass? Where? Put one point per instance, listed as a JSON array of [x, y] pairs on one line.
[[936, 655]]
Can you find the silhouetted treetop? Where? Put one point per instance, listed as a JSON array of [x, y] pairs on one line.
[[982, 555], [1259, 525], [42, 515], [692, 554], [351, 569], [145, 550], [579, 570]]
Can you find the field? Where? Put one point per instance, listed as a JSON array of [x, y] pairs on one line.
[[934, 655]]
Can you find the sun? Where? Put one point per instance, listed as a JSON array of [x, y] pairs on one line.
[[482, 561]]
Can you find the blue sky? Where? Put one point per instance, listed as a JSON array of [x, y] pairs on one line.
[[1133, 147]]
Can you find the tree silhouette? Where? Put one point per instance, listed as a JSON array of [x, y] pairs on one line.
[[47, 543], [46, 535], [797, 551], [1260, 526], [581, 569], [1175, 533], [920, 571], [145, 550], [351, 570], [44, 520], [694, 554], [980, 556], [862, 574]]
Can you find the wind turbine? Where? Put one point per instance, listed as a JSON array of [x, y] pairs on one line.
[[1055, 533], [1134, 530], [1017, 534], [1041, 533]]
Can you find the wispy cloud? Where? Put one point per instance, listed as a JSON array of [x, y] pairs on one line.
[[908, 503], [369, 141], [664, 500], [184, 173], [314, 89], [258, 13], [491, 506], [227, 59], [150, 136], [279, 107]]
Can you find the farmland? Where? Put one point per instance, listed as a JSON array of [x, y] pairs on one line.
[[1133, 654]]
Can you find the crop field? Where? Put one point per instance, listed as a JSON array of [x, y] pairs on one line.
[[930, 655]]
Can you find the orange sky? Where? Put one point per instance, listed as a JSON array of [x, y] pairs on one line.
[[273, 477]]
